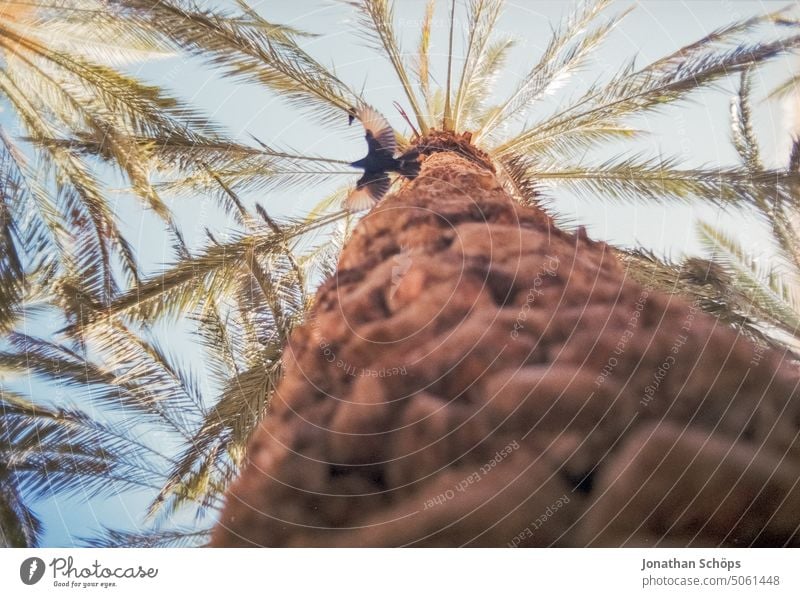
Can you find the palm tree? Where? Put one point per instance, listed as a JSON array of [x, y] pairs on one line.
[[248, 293]]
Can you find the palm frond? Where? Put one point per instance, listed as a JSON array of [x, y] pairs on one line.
[[447, 117], [473, 108], [377, 19], [149, 538], [12, 272], [131, 387], [770, 297], [788, 87], [183, 287], [66, 452], [565, 54], [112, 108], [744, 139], [209, 462], [81, 195], [249, 346], [638, 179], [794, 155], [86, 28], [249, 176], [19, 526], [422, 65], [653, 87], [706, 283], [144, 108], [245, 47], [482, 18]]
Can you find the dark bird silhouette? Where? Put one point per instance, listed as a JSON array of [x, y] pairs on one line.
[[379, 161]]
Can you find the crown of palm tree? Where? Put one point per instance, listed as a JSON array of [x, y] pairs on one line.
[[243, 296]]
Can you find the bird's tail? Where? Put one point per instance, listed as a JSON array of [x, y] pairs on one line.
[[408, 164]]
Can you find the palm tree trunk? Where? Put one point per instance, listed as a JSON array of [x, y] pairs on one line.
[[473, 375]]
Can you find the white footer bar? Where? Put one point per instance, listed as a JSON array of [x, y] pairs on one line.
[[400, 573]]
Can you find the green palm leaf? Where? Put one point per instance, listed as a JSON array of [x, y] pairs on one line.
[[769, 296], [245, 47], [633, 92], [377, 20]]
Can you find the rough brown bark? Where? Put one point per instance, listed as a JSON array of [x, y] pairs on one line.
[[474, 376]]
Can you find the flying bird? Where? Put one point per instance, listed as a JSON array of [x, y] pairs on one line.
[[379, 161]]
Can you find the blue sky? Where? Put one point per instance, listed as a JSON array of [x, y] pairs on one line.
[[698, 132]]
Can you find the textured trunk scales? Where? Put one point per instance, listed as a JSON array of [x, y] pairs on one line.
[[474, 376]]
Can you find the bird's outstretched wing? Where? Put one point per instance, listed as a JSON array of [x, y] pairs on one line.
[[370, 188], [379, 133]]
